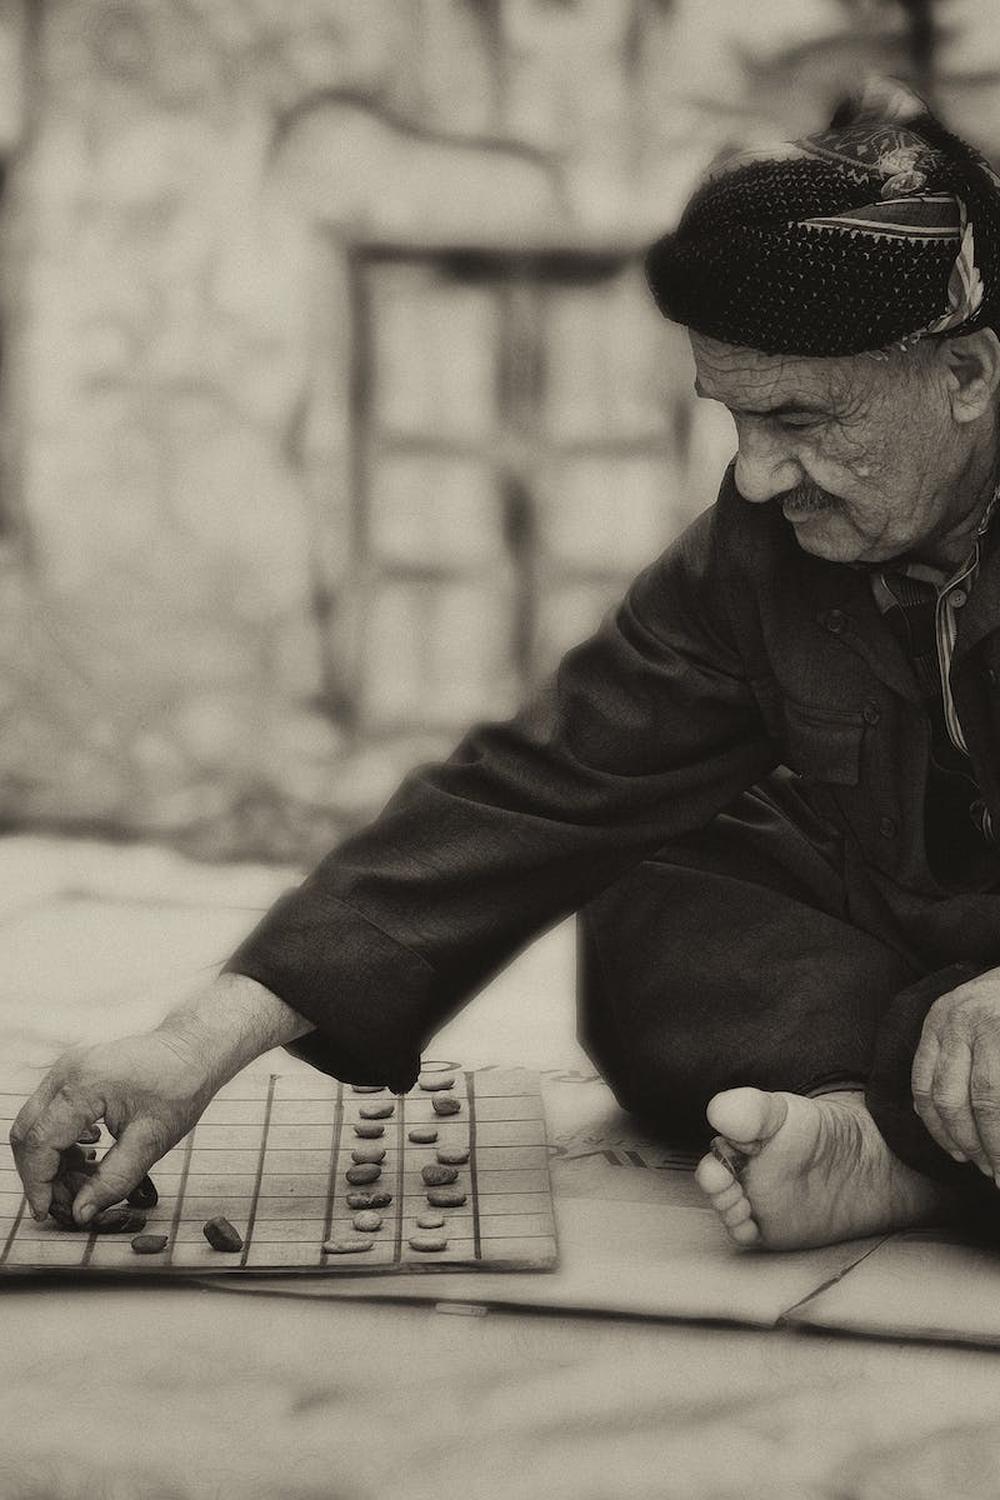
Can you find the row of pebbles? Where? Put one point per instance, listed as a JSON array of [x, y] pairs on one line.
[[439, 1177]]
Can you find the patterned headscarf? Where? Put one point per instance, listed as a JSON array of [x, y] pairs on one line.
[[881, 229]]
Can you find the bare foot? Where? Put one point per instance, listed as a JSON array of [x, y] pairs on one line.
[[816, 1171]]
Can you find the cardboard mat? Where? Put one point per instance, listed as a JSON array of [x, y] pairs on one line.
[[636, 1239]]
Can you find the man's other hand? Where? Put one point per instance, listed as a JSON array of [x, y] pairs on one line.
[[956, 1072], [148, 1089]]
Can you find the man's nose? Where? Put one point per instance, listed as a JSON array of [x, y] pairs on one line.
[[764, 465]]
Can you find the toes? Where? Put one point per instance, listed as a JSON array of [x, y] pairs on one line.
[[747, 1116], [712, 1177], [746, 1233], [737, 1213], [723, 1201]]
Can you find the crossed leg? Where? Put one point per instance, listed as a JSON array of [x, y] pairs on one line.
[[724, 978]]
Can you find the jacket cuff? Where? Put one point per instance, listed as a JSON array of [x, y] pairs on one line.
[[369, 998]]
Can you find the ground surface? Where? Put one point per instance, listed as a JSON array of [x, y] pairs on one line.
[[184, 1392]]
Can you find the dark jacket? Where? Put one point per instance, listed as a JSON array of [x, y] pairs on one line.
[[734, 652]]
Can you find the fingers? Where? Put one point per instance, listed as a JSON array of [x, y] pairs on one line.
[[952, 1100], [956, 1093], [925, 1065], [984, 1098], [46, 1127], [140, 1144]]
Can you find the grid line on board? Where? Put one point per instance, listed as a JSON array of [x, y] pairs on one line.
[[397, 1249], [331, 1181], [13, 1230], [252, 1215], [477, 1239], [182, 1184]]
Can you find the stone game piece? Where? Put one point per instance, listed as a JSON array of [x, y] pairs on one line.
[[423, 1135], [365, 1154], [149, 1244], [367, 1088], [144, 1195], [445, 1197], [430, 1221], [349, 1245], [119, 1219], [369, 1131], [369, 1200], [89, 1135], [445, 1104], [453, 1157], [356, 1176], [436, 1176], [428, 1242], [377, 1111], [367, 1221], [222, 1235], [436, 1082]]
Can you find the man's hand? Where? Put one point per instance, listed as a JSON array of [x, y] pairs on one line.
[[956, 1072], [149, 1089]]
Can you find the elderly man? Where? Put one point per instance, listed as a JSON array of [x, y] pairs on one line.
[[771, 781]]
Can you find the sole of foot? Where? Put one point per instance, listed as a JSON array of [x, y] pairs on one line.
[[809, 1172]]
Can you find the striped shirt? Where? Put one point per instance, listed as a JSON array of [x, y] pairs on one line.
[[922, 604]]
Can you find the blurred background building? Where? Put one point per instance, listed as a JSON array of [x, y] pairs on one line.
[[333, 407]]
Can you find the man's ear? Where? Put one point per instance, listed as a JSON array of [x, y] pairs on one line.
[[973, 364]]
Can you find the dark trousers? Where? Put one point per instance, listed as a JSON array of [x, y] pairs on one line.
[[747, 954]]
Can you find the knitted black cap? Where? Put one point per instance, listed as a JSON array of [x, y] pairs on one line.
[[885, 227]]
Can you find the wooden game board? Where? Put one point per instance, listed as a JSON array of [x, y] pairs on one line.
[[270, 1154]]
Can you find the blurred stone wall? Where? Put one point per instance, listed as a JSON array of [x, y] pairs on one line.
[[333, 405]]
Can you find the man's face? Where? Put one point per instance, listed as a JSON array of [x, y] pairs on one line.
[[862, 454]]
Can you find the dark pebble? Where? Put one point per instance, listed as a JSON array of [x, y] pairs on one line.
[[423, 1135], [368, 1154], [144, 1195], [455, 1158], [222, 1235], [369, 1132], [149, 1244], [445, 1197], [444, 1104], [369, 1200], [89, 1136], [367, 1088], [369, 1172], [349, 1245], [117, 1220], [439, 1176], [435, 1085]]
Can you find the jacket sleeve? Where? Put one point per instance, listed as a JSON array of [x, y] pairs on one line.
[[645, 732]]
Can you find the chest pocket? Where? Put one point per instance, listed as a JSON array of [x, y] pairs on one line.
[[822, 744]]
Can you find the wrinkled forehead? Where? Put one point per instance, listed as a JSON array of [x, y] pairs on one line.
[[748, 379]]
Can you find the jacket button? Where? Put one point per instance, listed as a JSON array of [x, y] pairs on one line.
[[872, 713], [835, 621], [887, 827]]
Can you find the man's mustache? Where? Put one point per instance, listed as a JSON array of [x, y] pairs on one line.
[[807, 497]]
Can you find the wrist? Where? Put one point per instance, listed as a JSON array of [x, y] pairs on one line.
[[231, 1022]]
